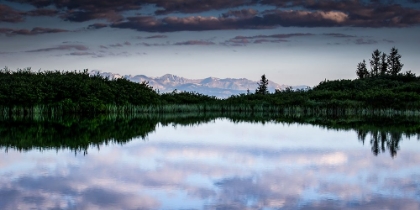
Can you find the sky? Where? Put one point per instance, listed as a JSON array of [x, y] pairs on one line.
[[292, 42]]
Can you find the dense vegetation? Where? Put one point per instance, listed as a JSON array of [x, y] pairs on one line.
[[78, 134], [383, 89], [68, 91]]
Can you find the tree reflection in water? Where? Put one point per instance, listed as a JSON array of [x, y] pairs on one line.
[[78, 133]]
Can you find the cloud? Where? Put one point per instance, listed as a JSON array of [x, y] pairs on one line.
[[82, 16], [191, 6], [81, 53], [11, 15], [308, 13], [80, 11], [153, 44], [157, 37], [304, 18], [244, 13], [116, 45], [258, 39], [361, 41], [269, 19], [5, 53], [388, 41], [42, 12], [195, 42], [76, 47], [367, 14], [237, 41], [97, 26], [192, 23], [355, 39], [34, 31], [8, 14], [339, 35]]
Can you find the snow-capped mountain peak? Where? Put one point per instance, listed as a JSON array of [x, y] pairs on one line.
[[213, 86]]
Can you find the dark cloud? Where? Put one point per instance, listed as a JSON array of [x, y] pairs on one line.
[[97, 7], [304, 18], [351, 39], [6, 53], [237, 41], [116, 45], [299, 13], [157, 37], [194, 6], [81, 53], [362, 13], [339, 35], [85, 10], [42, 12], [82, 16], [282, 36], [258, 39], [244, 13], [119, 44], [268, 19], [361, 41], [34, 31], [97, 26], [76, 47], [193, 23], [388, 41], [8, 14], [153, 44], [195, 42]]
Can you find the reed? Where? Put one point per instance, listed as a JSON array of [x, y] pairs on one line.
[[59, 110]]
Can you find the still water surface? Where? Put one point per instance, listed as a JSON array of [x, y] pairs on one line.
[[218, 164]]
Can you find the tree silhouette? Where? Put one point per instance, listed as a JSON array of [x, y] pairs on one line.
[[394, 62], [362, 71], [375, 63], [383, 64], [262, 86]]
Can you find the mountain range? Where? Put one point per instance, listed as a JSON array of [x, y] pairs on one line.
[[221, 88]]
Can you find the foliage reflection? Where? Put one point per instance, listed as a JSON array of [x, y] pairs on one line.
[[78, 133]]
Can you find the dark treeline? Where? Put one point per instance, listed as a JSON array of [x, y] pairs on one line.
[[24, 91], [383, 89], [68, 91], [78, 134]]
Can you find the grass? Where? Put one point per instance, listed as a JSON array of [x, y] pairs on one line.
[[58, 110]]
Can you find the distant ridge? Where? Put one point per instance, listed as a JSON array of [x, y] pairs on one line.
[[221, 88]]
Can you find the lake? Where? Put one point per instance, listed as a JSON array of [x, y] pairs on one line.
[[209, 162]]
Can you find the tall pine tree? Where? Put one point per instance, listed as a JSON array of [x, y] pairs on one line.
[[383, 69], [362, 71], [262, 86], [394, 62], [375, 63]]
